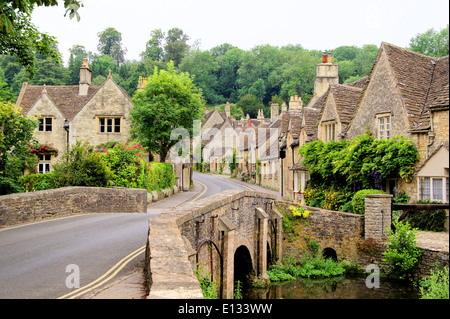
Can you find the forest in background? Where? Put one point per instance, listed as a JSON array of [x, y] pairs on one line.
[[251, 78]]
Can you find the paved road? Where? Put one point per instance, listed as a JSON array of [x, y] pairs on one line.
[[215, 184], [34, 257]]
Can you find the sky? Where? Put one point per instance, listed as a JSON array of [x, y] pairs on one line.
[[316, 24]]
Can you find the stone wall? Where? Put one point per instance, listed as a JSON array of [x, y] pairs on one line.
[[228, 219], [339, 231], [35, 206]]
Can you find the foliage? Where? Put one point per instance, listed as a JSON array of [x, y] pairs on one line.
[[299, 211], [38, 182], [402, 253], [250, 105], [431, 42], [16, 131], [209, 288], [233, 163], [358, 201], [81, 166], [309, 266], [429, 220], [110, 43], [336, 199], [161, 176], [364, 162], [169, 100], [238, 290], [20, 38], [436, 285]]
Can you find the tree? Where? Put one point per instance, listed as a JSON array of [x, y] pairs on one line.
[[154, 47], [20, 38], [365, 59], [431, 43], [5, 92], [110, 43], [176, 46], [169, 100], [250, 105], [16, 131]]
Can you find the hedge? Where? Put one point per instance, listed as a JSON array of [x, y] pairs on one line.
[[358, 200]]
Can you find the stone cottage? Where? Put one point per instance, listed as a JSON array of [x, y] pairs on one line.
[[408, 94], [67, 114]]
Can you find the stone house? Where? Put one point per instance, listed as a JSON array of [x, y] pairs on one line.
[[408, 94], [67, 114]]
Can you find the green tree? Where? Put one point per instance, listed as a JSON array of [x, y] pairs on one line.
[[5, 91], [154, 47], [16, 131], [176, 46], [169, 100], [110, 43], [365, 59], [431, 42], [250, 105], [20, 38]]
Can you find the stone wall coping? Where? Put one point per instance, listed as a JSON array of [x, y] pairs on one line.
[[378, 196]]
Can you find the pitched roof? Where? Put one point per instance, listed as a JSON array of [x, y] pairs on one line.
[[421, 80], [346, 98], [65, 98]]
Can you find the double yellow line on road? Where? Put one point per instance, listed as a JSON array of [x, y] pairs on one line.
[[111, 273]]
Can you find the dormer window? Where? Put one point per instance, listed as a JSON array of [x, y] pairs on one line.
[[329, 131]]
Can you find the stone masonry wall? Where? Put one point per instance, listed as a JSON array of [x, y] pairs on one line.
[[34, 206]]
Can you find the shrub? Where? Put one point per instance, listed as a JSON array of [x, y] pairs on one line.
[[402, 253], [38, 182], [436, 286], [161, 176], [358, 201], [81, 166]]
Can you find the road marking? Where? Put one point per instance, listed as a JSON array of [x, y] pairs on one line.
[[205, 188], [111, 273]]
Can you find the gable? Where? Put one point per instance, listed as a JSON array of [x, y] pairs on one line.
[[437, 164], [44, 107]]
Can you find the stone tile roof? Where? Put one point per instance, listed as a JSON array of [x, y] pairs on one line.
[[310, 122], [65, 98], [421, 80], [346, 98]]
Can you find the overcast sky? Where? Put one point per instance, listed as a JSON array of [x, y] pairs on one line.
[[315, 24]]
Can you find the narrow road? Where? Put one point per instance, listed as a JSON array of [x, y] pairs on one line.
[[34, 257]]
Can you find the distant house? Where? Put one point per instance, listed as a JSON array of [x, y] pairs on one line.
[[408, 94], [95, 114]]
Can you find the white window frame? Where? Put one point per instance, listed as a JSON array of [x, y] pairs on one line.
[[44, 164], [384, 125], [432, 191]]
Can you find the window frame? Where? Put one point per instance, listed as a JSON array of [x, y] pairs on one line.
[[45, 124], [329, 131], [109, 125], [431, 190], [384, 126], [44, 164]]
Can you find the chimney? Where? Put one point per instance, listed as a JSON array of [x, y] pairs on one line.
[[85, 77], [324, 58], [249, 122], [295, 104], [228, 110], [274, 110], [141, 83], [284, 107], [260, 114]]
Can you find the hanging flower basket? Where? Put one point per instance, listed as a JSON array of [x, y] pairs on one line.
[[40, 149]]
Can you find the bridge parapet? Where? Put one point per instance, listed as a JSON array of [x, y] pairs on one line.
[[208, 233]]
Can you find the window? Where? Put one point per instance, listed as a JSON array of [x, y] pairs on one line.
[[109, 124], [329, 132], [45, 124], [384, 127], [44, 164], [433, 188]]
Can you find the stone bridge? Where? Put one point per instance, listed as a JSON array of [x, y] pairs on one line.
[[232, 235]]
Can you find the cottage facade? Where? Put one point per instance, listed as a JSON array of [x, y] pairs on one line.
[[86, 113]]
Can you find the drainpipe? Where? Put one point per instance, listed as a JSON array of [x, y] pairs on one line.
[[67, 128]]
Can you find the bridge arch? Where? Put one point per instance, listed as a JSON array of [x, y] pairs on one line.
[[330, 253], [243, 266]]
